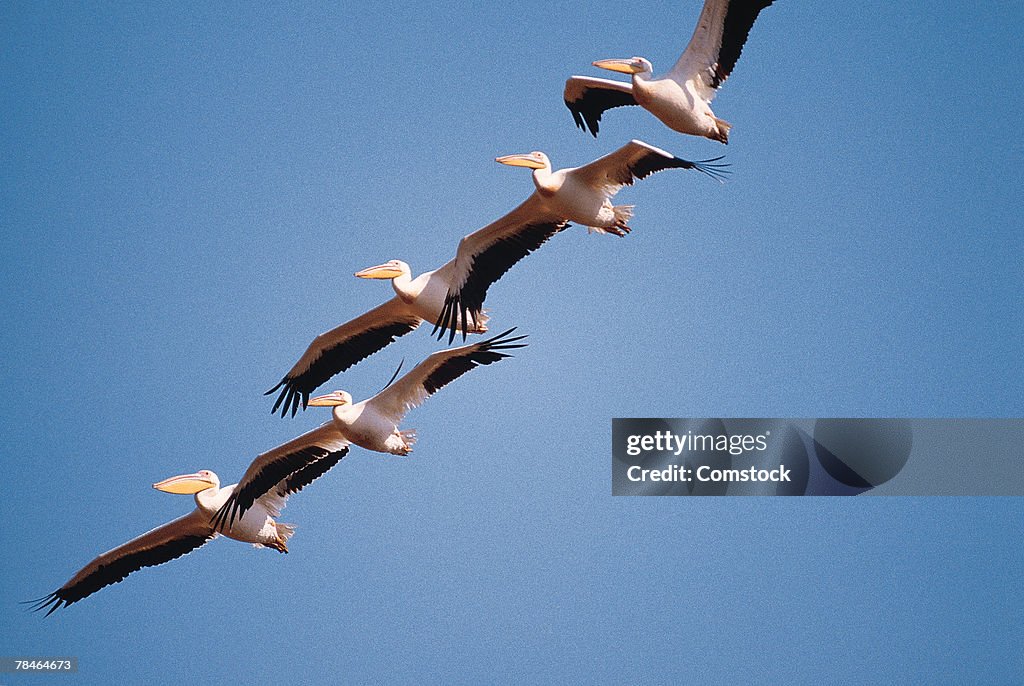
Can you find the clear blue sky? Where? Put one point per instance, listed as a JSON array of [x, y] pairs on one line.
[[186, 193]]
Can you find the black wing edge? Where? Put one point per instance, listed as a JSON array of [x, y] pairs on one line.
[[482, 353], [487, 267], [454, 307], [307, 475], [588, 108], [655, 162], [272, 473], [739, 20], [115, 572], [295, 391]]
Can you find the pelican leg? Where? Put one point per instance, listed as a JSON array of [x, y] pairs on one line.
[[279, 544]]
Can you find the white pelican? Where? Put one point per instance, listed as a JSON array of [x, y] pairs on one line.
[[371, 424], [335, 351], [452, 296], [681, 98], [581, 194], [174, 539]]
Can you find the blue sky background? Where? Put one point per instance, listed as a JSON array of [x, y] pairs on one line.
[[186, 192]]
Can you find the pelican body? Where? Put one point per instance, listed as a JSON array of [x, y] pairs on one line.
[[680, 98], [576, 194], [371, 424], [574, 199], [678, 105], [257, 525], [365, 424], [682, 104], [416, 300], [423, 295]]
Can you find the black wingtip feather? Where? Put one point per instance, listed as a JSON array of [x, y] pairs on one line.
[[447, 319], [310, 473], [593, 103], [719, 172], [53, 601], [393, 376], [245, 495], [500, 338], [483, 353], [280, 399], [487, 267], [295, 390]]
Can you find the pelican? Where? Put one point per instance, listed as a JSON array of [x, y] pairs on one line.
[[183, 535], [336, 350], [681, 98], [581, 194], [371, 424], [452, 296]]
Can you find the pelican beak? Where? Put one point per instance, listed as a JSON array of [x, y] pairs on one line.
[[330, 400], [186, 484], [622, 66], [524, 160], [381, 271]]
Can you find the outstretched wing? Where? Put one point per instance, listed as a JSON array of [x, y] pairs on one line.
[[722, 29], [335, 351], [485, 255], [162, 544], [638, 160], [286, 469], [588, 98], [439, 370]]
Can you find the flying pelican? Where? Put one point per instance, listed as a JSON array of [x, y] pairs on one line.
[[371, 424], [458, 288], [681, 98], [183, 535], [581, 194], [336, 350]]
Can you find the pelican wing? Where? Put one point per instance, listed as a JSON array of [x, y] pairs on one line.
[[439, 370], [335, 351], [637, 160], [485, 255], [156, 547], [286, 469], [721, 31], [588, 98]]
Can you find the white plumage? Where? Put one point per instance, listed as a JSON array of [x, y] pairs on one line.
[[680, 98]]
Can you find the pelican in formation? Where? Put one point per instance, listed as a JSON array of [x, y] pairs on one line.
[[183, 535], [577, 194], [371, 424], [247, 511], [336, 350], [680, 98], [453, 296]]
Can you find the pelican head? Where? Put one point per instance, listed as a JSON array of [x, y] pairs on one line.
[[332, 399], [389, 270], [533, 160], [634, 65], [187, 484]]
